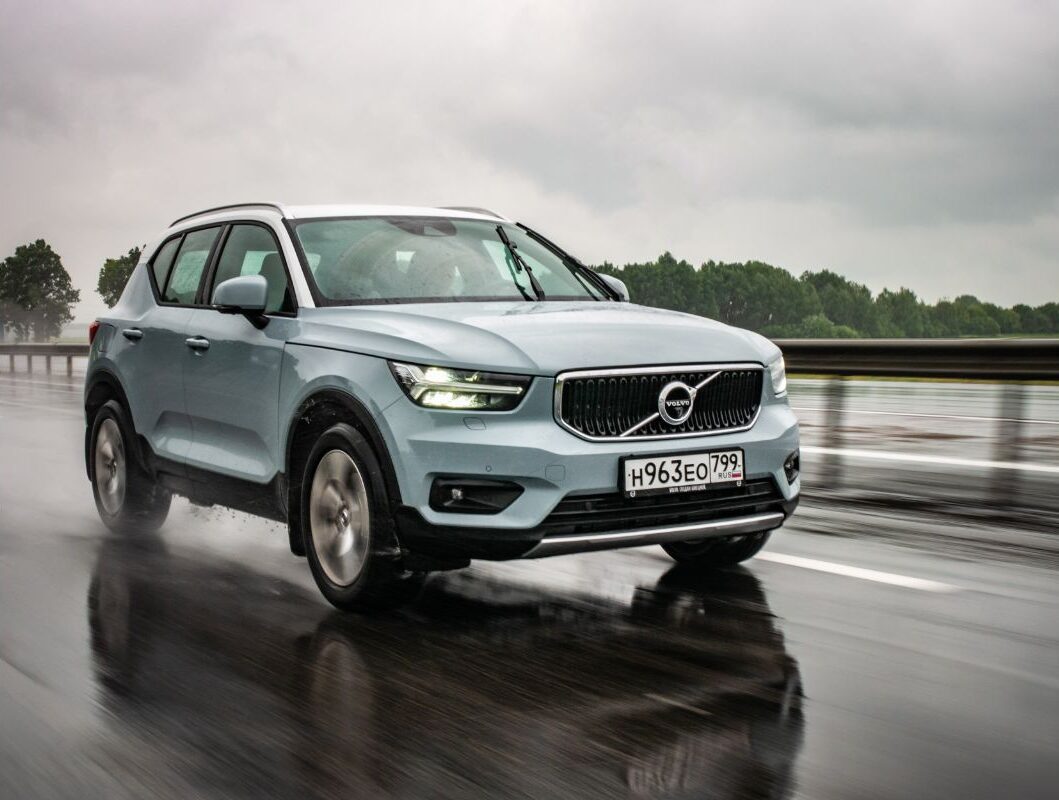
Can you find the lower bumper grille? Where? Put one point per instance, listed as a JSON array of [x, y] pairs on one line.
[[598, 513]]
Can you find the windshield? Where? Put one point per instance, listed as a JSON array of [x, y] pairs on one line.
[[416, 259]]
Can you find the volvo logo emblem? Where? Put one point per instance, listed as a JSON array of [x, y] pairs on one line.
[[676, 401]]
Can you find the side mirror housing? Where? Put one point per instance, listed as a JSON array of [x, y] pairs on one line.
[[247, 294], [617, 285]]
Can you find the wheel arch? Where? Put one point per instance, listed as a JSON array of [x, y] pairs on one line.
[[102, 387], [315, 414]]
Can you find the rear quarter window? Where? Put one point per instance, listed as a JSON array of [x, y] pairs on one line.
[[163, 262]]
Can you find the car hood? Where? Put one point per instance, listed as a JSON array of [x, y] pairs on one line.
[[532, 338]]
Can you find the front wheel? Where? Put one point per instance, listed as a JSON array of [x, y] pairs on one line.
[[128, 499], [725, 551], [349, 530]]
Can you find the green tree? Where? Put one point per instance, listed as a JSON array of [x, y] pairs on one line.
[[114, 274], [845, 302], [900, 314], [664, 283], [36, 294], [771, 301], [1030, 319], [815, 326], [975, 319], [963, 316], [1007, 319], [1049, 316], [1043, 319], [758, 296]]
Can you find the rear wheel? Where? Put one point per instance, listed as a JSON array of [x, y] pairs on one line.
[[349, 530], [127, 497], [714, 553]]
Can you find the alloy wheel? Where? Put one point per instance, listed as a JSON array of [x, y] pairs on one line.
[[339, 517]]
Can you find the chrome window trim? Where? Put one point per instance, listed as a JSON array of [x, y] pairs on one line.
[[562, 377]]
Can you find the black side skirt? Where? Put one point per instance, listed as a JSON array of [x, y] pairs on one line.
[[206, 488]]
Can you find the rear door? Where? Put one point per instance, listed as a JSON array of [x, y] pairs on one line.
[[232, 368], [153, 344]]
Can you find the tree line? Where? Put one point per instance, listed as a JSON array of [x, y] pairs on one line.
[[823, 304], [37, 296], [37, 299]]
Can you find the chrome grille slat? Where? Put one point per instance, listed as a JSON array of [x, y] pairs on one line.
[[610, 404]]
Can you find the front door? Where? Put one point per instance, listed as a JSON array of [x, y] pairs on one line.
[[232, 366]]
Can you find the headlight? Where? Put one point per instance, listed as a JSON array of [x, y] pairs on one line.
[[779, 377], [460, 389]]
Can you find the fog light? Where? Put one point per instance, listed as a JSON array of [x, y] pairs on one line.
[[472, 496], [792, 466]]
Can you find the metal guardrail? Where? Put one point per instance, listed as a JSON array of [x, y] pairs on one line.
[[985, 359], [47, 351], [1013, 361]]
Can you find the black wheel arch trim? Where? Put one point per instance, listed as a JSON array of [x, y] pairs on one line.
[[106, 377], [355, 413]]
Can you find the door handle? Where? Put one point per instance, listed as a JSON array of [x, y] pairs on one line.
[[197, 343], [132, 334]]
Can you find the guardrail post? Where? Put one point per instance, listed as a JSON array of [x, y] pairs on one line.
[[69, 366], [29, 363], [836, 405], [1007, 443], [47, 364], [11, 362]]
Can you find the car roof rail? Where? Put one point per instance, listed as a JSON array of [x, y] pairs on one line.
[[275, 206], [472, 210]]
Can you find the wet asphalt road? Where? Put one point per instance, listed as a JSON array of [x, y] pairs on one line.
[[203, 662]]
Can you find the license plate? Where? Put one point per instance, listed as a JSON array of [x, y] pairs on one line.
[[676, 474]]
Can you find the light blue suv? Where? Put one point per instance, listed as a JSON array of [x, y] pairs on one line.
[[412, 388]]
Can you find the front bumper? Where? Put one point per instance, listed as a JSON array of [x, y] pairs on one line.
[[449, 542], [528, 447]]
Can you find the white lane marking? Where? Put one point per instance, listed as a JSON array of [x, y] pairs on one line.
[[958, 417], [885, 455], [904, 581]]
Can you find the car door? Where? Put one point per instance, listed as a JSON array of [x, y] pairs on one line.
[[154, 349], [232, 365]]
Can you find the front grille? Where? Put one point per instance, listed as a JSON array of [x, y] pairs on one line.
[[602, 513], [600, 405]]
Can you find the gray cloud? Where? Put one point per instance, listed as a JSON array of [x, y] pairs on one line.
[[900, 145]]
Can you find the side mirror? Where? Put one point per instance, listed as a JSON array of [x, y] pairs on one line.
[[617, 285], [247, 294]]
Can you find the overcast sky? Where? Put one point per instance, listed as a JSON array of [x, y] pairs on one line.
[[900, 144]]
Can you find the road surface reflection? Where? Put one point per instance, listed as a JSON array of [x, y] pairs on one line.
[[212, 676]]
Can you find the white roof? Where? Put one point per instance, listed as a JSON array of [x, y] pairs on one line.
[[339, 210], [302, 212]]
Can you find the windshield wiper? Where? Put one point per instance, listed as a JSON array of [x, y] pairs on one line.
[[521, 265], [582, 272]]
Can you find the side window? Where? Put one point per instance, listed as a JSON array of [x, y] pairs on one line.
[[163, 260], [252, 250], [183, 283]]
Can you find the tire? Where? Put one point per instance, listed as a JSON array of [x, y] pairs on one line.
[[128, 499], [350, 538], [716, 553]]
